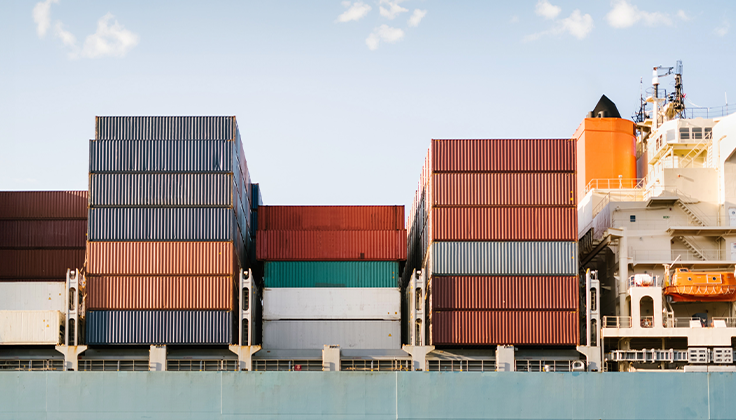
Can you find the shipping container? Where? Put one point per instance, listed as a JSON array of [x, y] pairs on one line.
[[304, 335], [331, 273], [331, 303], [159, 327], [331, 218], [30, 327], [502, 259], [162, 258], [32, 296], [164, 128], [161, 156], [256, 197], [504, 293], [35, 264], [503, 155], [486, 328], [162, 224], [160, 293], [503, 224], [503, 189], [43, 233], [386, 245], [43, 205], [164, 190]]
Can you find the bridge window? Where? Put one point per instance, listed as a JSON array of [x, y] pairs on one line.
[[685, 133], [632, 218]]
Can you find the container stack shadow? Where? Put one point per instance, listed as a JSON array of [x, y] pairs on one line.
[[169, 230], [331, 276], [42, 235], [493, 226]]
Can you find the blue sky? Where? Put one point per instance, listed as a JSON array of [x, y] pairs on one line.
[[337, 101]]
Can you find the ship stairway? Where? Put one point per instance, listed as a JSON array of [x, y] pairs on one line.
[[692, 248], [694, 218], [696, 151], [648, 356]]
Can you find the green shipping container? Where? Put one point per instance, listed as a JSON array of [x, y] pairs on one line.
[[331, 274]]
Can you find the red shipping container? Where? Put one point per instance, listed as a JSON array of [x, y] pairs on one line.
[[504, 293], [43, 205], [386, 245], [160, 293], [37, 264], [162, 258], [486, 328], [43, 233], [330, 218], [503, 155], [503, 189], [504, 224]]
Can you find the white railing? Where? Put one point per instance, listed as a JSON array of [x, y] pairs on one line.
[[612, 183], [616, 322], [723, 322]]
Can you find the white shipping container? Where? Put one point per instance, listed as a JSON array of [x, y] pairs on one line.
[[30, 327], [32, 296], [332, 303], [301, 335]]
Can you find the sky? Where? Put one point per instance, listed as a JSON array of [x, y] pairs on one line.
[[337, 101]]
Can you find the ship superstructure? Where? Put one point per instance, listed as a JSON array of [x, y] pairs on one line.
[[663, 243]]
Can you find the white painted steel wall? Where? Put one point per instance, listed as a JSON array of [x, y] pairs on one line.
[[30, 327], [315, 334], [332, 303], [32, 296]]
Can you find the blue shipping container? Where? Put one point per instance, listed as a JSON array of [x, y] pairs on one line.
[[165, 128], [172, 156], [159, 327], [331, 274], [161, 224]]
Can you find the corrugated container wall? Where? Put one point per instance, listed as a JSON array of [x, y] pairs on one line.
[[159, 327], [32, 296], [43, 205], [331, 274], [277, 245], [483, 328], [314, 335], [160, 293], [331, 218], [37, 264], [503, 155], [502, 189], [332, 303], [504, 293], [161, 156], [25, 234], [30, 327]]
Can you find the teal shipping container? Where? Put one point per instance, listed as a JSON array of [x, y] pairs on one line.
[[331, 274]]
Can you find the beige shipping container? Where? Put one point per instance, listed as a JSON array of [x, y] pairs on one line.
[[30, 327]]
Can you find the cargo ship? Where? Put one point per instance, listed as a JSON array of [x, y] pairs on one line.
[[611, 250]]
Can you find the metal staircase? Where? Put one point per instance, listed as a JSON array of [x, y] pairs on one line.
[[696, 151], [692, 248], [690, 213]]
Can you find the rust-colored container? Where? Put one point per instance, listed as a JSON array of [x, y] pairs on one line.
[[43, 233], [43, 205], [37, 264], [504, 293], [330, 218], [503, 189], [485, 328], [503, 155], [160, 293], [162, 258], [384, 245], [504, 224]]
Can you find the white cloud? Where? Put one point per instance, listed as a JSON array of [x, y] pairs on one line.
[[682, 15], [383, 33], [624, 15], [42, 16], [577, 24], [66, 37], [545, 9], [356, 11], [723, 29], [393, 8], [109, 40], [417, 17]]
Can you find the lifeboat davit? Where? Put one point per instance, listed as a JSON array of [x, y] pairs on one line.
[[689, 286]]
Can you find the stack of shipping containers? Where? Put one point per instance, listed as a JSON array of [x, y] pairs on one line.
[[42, 235], [169, 230], [331, 276], [494, 227]]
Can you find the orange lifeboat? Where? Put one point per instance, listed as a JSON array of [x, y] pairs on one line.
[[689, 286]]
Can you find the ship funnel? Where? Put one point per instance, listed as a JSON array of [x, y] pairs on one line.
[[605, 108]]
